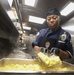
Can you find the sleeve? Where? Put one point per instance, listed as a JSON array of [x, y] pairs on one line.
[[69, 47], [38, 38]]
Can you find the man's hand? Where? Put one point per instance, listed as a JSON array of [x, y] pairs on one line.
[[54, 50]]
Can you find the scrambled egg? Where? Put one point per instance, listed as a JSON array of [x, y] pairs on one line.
[[49, 61], [33, 67]]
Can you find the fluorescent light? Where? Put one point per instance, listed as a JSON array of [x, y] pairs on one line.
[[30, 2], [36, 19], [27, 28], [68, 9], [10, 2], [70, 28], [11, 15]]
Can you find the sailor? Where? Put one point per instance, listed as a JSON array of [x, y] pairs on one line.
[[54, 38]]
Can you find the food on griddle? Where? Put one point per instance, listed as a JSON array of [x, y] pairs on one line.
[[33, 67]]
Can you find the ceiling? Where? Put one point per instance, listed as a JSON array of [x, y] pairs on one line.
[[41, 8]]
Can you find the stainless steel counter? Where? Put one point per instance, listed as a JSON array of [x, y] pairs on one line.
[[6, 61], [70, 60]]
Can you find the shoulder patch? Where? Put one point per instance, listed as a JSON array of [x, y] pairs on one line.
[[63, 36]]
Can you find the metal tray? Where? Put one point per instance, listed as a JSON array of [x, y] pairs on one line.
[[6, 61]]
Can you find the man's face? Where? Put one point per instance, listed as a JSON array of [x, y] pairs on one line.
[[53, 21]]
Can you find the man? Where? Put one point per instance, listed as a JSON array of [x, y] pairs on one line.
[[54, 38]]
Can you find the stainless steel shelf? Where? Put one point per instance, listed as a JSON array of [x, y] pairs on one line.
[[7, 28]]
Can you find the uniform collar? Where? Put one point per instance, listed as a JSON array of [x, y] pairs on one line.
[[55, 30]]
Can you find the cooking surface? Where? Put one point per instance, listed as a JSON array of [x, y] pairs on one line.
[[31, 65]]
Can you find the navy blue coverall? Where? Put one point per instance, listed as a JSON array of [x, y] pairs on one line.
[[58, 38]]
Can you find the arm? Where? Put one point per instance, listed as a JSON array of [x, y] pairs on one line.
[[63, 54], [68, 46], [67, 51], [37, 48], [36, 43]]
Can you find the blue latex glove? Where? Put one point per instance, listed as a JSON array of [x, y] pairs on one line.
[[54, 50]]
